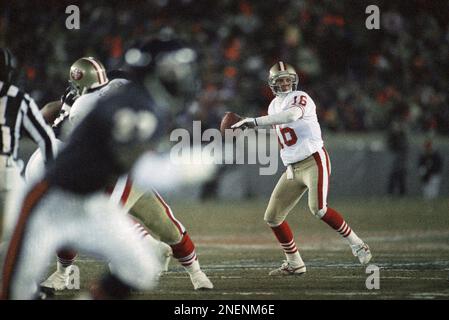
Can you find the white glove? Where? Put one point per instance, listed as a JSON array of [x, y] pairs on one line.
[[245, 123]]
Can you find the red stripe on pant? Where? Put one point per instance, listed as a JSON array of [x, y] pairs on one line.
[[127, 191], [328, 169], [327, 161], [168, 211], [66, 257], [319, 164], [15, 246]]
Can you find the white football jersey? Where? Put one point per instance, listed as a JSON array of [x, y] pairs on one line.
[[84, 104], [301, 138]]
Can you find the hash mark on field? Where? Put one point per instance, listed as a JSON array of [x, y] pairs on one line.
[[429, 295], [248, 293], [371, 293]]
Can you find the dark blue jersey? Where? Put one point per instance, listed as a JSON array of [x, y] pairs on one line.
[[107, 142]]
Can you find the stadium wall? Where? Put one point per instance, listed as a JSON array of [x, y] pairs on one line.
[[361, 166]]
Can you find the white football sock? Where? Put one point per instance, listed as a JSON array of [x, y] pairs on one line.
[[353, 239], [295, 259], [63, 270], [194, 267]]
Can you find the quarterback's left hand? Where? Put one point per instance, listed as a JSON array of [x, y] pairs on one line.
[[245, 123]]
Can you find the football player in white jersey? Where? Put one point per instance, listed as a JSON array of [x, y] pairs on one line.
[[89, 77], [293, 115]]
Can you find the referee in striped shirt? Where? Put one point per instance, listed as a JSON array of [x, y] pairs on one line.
[[19, 114]]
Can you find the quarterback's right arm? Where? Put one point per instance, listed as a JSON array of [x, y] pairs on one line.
[[294, 112], [286, 116]]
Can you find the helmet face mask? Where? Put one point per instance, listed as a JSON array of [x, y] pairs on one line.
[[87, 73], [279, 71]]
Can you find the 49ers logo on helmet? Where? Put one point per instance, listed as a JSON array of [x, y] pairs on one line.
[[76, 74]]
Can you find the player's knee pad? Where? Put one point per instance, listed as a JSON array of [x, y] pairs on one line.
[[318, 213], [273, 220]]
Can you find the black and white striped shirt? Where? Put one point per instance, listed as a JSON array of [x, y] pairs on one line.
[[18, 114]]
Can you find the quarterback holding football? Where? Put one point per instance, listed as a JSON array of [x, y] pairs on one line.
[[292, 113]]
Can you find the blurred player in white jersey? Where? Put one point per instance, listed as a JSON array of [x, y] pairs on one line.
[[293, 114], [149, 208]]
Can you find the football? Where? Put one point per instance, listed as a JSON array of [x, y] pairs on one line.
[[229, 119]]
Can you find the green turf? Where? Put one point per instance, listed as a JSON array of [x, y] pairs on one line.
[[409, 239]]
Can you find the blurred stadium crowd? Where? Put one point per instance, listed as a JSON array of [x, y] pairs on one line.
[[361, 79]]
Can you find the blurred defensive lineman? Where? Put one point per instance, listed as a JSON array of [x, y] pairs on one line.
[[88, 221], [149, 207], [293, 114]]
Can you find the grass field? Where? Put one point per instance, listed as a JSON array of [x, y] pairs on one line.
[[409, 239]]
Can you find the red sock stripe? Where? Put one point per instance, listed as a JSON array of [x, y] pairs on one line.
[[342, 227], [187, 261], [347, 232], [336, 221], [66, 257], [184, 248], [290, 250], [187, 258], [283, 233], [186, 264], [32, 199], [285, 237], [287, 245]]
